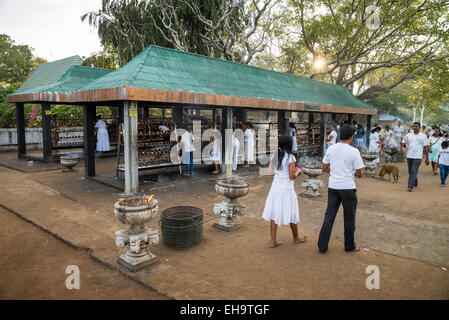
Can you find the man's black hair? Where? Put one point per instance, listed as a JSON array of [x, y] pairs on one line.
[[346, 132], [445, 144], [419, 124]]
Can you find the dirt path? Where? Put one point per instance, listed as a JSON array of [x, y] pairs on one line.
[[236, 265], [33, 265]]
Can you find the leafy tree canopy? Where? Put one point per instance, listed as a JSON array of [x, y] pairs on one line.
[[17, 62]]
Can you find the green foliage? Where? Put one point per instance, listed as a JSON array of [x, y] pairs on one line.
[[411, 38], [16, 62]]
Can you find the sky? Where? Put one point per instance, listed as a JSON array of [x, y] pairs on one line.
[[52, 27]]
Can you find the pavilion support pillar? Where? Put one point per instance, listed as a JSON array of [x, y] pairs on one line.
[[214, 118], [368, 129], [120, 114], [334, 117], [46, 132], [20, 120], [178, 116], [240, 115], [350, 119], [282, 122], [89, 111], [130, 141], [226, 119], [323, 130]]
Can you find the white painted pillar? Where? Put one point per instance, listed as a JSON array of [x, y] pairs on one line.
[[131, 147], [414, 114]]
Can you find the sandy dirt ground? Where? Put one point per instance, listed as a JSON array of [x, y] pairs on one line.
[[33, 266], [406, 235]]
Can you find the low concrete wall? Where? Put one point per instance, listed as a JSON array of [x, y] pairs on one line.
[[33, 138], [8, 139]]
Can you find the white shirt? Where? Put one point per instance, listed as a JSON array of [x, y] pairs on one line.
[[248, 135], [344, 160], [374, 138], [398, 130], [415, 144], [164, 128], [444, 156], [388, 134], [187, 140], [333, 134], [283, 174], [101, 125]]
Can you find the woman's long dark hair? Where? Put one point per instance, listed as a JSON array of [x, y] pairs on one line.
[[285, 148]]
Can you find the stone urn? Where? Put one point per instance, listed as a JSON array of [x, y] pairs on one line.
[[135, 212], [369, 157], [311, 184], [232, 188], [390, 151], [68, 162]]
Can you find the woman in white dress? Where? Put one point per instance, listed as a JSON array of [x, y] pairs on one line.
[[374, 143], [249, 144], [235, 152], [281, 206], [215, 154], [292, 132], [102, 135]]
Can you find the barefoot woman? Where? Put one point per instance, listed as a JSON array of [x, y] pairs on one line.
[[281, 206]]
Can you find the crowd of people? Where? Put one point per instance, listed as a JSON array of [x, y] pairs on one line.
[[342, 160]]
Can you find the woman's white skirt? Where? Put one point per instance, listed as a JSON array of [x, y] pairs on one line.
[[249, 150], [282, 203], [374, 148], [103, 140]]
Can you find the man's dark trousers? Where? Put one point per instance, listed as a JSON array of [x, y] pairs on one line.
[[413, 166], [336, 197]]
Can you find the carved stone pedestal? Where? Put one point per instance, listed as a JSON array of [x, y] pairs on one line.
[[135, 211], [232, 188], [138, 255], [312, 185], [227, 210]]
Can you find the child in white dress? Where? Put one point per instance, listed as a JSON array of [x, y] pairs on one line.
[[281, 206]]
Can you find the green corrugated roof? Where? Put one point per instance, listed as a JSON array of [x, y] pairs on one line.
[[49, 73], [168, 69], [73, 79]]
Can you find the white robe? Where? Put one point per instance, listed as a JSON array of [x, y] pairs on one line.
[[373, 145], [102, 136], [249, 145], [235, 152]]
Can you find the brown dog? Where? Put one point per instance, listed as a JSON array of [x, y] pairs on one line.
[[391, 170]]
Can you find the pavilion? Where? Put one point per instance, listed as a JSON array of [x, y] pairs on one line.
[[176, 79]]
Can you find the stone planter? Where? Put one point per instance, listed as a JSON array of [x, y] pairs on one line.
[[312, 184], [370, 166], [390, 158], [229, 208], [136, 212], [68, 162]]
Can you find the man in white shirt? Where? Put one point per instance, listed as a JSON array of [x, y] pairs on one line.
[[416, 143], [332, 137], [343, 162], [188, 148]]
